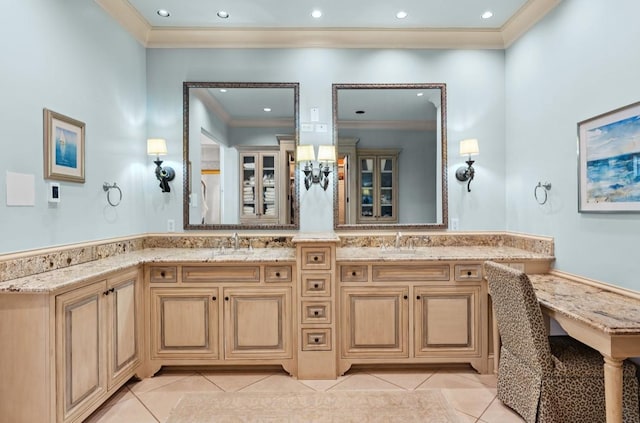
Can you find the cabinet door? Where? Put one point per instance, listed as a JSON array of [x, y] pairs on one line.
[[378, 190], [184, 323], [269, 192], [375, 322], [367, 184], [386, 194], [259, 193], [446, 321], [124, 322], [80, 349], [248, 188], [257, 323]]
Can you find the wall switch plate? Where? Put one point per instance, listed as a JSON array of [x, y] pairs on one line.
[[315, 114], [322, 127], [54, 192], [455, 224], [171, 225], [306, 127]]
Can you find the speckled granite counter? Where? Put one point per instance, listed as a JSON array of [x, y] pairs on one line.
[[599, 308], [68, 276], [477, 253]]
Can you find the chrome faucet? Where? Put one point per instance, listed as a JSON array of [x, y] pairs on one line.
[[236, 241], [398, 240]]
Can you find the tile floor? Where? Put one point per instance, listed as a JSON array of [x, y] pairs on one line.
[[473, 396]]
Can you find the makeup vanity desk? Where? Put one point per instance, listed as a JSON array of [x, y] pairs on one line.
[[605, 318]]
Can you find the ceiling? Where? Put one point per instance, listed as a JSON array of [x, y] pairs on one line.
[[343, 24]]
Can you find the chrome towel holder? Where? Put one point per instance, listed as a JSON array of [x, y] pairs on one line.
[[545, 189], [107, 188]]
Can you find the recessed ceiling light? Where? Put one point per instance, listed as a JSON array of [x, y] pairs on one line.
[[487, 14], [360, 112], [223, 90], [316, 13], [222, 14], [163, 12], [420, 94], [401, 14], [267, 109]]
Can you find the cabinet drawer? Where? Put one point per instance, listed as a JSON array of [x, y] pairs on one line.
[[316, 312], [316, 258], [277, 273], [221, 274], [353, 273], [316, 339], [437, 272], [163, 274], [316, 285], [468, 272]]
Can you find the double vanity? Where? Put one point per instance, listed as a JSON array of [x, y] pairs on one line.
[[316, 305]]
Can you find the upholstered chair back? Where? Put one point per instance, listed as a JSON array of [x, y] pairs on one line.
[[517, 311]]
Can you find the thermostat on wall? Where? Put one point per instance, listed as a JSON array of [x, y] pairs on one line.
[[54, 192]]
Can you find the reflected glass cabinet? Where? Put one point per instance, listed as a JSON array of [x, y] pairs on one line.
[[259, 194], [377, 186]]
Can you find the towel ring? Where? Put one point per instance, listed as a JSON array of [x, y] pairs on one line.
[[107, 188], [545, 189]]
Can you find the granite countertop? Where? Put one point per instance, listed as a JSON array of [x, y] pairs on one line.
[[476, 253], [68, 276], [604, 310]]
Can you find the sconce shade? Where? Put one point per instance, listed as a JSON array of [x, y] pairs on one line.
[[156, 147], [326, 154], [469, 147], [305, 153]]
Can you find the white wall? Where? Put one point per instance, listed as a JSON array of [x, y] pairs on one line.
[[582, 60], [475, 84], [71, 57]]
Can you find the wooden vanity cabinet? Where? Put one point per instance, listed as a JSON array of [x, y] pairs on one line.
[[222, 314], [98, 332], [413, 312]]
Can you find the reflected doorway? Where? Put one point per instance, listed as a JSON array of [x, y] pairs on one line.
[[210, 180]]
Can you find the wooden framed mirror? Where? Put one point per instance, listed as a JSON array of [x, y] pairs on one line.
[[391, 142], [239, 142]]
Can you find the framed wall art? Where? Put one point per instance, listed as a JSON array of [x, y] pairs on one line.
[[609, 161], [63, 147]]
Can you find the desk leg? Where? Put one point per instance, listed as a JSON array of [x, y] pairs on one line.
[[613, 389]]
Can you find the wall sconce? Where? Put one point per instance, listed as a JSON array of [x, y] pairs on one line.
[[467, 147], [158, 147], [318, 175]]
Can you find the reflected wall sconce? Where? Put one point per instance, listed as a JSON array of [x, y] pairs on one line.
[[158, 147], [320, 174], [467, 147]]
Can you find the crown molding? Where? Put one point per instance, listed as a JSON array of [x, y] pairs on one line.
[[415, 38]]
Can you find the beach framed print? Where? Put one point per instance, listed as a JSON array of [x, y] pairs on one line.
[[63, 147], [609, 161]]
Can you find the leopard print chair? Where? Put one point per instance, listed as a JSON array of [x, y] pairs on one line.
[[547, 379]]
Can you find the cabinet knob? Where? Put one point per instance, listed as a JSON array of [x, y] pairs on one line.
[[315, 313], [162, 274], [417, 297], [353, 273], [214, 298], [315, 258], [315, 285], [468, 272], [277, 274], [316, 340], [405, 297], [226, 298]]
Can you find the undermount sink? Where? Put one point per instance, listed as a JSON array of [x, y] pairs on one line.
[[398, 251], [233, 252]]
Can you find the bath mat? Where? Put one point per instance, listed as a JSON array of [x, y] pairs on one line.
[[297, 407]]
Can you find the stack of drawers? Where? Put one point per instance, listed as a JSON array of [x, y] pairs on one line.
[[316, 312]]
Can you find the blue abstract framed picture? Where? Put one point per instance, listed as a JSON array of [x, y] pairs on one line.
[[63, 147], [609, 161]]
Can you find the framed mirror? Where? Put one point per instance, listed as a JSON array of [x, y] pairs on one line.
[[239, 142], [392, 158]]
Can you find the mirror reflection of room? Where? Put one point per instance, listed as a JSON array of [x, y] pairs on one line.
[[390, 154], [241, 154]]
